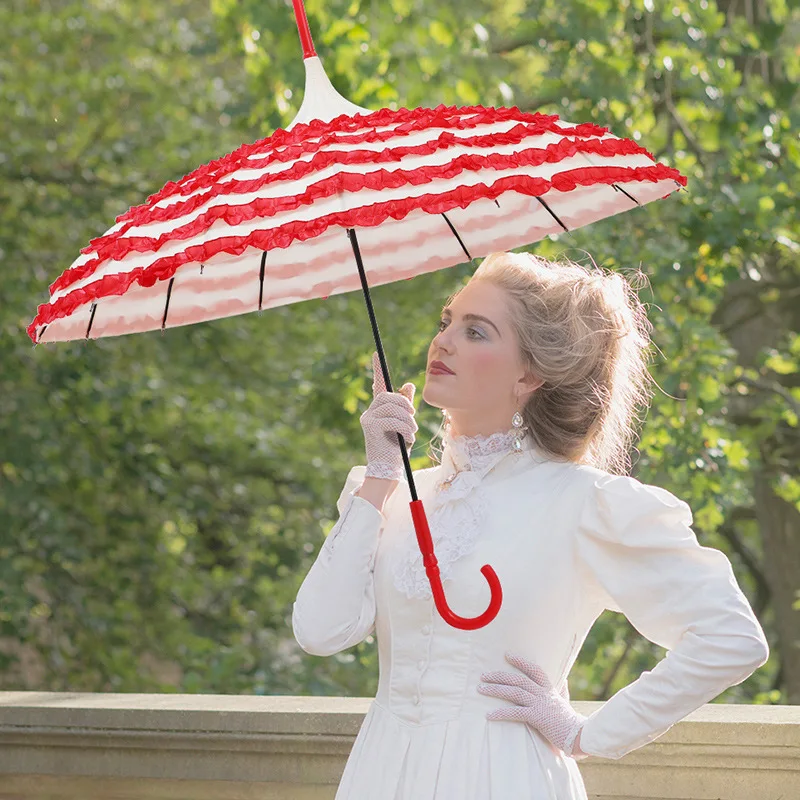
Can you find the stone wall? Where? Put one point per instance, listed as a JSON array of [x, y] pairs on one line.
[[225, 747]]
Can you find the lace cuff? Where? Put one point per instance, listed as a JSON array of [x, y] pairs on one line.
[[380, 469], [569, 742]]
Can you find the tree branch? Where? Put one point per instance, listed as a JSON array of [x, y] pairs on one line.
[[772, 387], [630, 637], [763, 592], [501, 46]]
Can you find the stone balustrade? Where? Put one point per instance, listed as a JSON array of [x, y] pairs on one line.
[[76, 746]]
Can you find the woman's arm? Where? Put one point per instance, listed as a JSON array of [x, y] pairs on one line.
[[642, 558], [335, 605], [376, 490], [576, 748]]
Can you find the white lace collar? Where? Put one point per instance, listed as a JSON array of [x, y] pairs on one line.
[[475, 452], [457, 509]]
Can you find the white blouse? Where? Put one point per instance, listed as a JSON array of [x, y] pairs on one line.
[[567, 541]]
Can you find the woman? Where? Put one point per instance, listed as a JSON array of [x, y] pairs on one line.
[[540, 397]]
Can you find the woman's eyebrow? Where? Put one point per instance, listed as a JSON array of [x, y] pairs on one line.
[[446, 310]]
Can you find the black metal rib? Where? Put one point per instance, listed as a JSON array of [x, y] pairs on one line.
[[261, 279], [496, 203], [91, 319], [455, 233], [39, 338], [620, 189], [166, 307], [550, 212]]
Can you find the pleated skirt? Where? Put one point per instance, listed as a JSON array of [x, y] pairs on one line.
[[467, 758]]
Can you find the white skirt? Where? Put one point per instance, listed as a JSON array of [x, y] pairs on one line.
[[467, 758]]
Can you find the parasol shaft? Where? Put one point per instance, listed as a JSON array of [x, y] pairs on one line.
[[421, 528], [379, 346]]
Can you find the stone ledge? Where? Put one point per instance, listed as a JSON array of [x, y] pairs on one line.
[[60, 745]]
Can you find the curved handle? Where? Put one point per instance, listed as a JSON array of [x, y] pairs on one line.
[[432, 570]]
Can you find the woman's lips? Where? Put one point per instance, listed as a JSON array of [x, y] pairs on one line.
[[437, 371]]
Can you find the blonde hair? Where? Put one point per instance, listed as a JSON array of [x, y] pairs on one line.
[[585, 333]]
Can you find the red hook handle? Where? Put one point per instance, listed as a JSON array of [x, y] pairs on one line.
[[432, 571]]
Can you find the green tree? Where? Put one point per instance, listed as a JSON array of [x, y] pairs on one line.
[[161, 497]]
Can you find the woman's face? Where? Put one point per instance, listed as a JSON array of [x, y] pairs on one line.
[[489, 383]]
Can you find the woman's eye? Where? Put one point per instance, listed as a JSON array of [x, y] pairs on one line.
[[469, 330]]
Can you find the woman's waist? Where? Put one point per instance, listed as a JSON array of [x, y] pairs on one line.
[[428, 702]]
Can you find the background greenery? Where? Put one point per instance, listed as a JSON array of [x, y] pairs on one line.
[[162, 496]]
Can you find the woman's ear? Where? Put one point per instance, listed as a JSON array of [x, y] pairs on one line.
[[529, 384], [532, 382]]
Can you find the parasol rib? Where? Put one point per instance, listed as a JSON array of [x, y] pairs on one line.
[[166, 306], [553, 215], [261, 279], [91, 320], [627, 194], [455, 233]]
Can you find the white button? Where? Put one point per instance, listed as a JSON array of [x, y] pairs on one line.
[[421, 664], [416, 700], [426, 629]]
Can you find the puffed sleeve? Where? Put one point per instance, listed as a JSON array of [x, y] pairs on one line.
[[642, 558], [335, 605]]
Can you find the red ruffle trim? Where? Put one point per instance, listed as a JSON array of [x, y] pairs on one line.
[[116, 248], [406, 120], [553, 152], [367, 216]]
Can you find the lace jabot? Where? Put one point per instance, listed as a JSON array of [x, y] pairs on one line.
[[457, 508], [475, 453]]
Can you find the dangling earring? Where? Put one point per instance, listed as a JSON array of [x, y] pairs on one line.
[[517, 421]]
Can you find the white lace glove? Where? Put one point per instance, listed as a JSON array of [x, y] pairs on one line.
[[389, 413], [539, 704]]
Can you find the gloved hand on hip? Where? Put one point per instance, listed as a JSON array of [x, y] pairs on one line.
[[539, 704], [389, 413]]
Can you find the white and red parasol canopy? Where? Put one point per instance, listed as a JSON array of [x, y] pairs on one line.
[[266, 225]]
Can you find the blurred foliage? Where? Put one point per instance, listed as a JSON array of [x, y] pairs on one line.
[[162, 496]]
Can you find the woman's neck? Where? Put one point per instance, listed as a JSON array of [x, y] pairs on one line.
[[472, 434], [481, 424]]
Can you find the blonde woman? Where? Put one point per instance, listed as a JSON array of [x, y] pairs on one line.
[[544, 368]]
